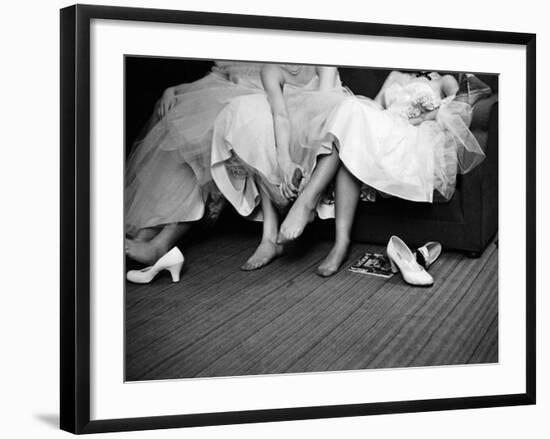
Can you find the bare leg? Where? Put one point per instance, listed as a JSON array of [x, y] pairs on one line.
[[303, 210], [346, 199], [268, 248], [149, 252], [147, 233], [134, 249]]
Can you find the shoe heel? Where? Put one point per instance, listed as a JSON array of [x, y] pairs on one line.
[[394, 268], [175, 271]]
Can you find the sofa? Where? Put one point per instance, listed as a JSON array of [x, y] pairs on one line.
[[469, 220]]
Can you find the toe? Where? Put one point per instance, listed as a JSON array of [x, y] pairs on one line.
[[321, 273], [285, 236], [251, 265]]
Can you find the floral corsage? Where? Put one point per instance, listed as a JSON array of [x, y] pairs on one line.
[[422, 104]]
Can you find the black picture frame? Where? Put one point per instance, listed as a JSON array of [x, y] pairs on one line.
[[75, 217]]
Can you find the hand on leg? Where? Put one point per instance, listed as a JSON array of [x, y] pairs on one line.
[[302, 211]]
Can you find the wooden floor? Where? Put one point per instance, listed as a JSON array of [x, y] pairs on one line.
[[219, 321]]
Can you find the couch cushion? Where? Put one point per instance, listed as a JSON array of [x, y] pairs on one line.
[[450, 211]]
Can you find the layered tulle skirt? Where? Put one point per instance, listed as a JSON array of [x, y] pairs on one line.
[[393, 157], [168, 176], [244, 150]]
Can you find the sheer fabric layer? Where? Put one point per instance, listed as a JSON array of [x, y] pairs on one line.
[[168, 176], [244, 151], [386, 152]]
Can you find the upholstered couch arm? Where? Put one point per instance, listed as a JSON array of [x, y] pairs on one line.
[[479, 188], [482, 112]]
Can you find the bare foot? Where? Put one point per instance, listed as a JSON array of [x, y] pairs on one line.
[[145, 252], [264, 254], [298, 217], [336, 257]]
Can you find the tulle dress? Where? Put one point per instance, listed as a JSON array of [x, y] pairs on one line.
[[387, 153], [244, 145], [168, 176]]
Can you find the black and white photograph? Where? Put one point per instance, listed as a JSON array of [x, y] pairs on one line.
[[297, 218], [272, 220]]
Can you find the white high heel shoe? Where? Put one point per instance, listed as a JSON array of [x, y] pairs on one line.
[[428, 254], [402, 259], [171, 261]]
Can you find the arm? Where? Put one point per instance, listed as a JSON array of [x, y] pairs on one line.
[[379, 99], [327, 77], [273, 80], [449, 87], [166, 102], [431, 115], [169, 97]]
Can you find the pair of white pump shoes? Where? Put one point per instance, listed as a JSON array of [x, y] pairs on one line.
[[413, 266]]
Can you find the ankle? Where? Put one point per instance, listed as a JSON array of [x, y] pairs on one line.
[[272, 240], [308, 200], [270, 235], [342, 243], [160, 247]]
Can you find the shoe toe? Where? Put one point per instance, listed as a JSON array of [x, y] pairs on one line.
[[136, 276], [426, 279], [131, 276]]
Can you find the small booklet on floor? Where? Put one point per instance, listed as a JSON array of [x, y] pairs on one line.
[[375, 264]]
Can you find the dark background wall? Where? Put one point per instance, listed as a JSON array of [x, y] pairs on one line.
[[146, 79]]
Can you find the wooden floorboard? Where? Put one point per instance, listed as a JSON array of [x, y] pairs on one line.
[[453, 340], [207, 308], [150, 307], [286, 337], [487, 349], [220, 321]]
